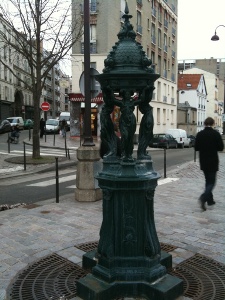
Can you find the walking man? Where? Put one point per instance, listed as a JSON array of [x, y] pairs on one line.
[[208, 142]]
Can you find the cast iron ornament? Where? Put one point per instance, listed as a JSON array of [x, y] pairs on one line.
[[127, 73]]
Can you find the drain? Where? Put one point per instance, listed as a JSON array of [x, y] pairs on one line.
[[50, 278], [86, 247], [167, 247], [54, 277], [204, 278]]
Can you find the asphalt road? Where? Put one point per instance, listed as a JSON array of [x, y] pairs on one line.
[[41, 186]]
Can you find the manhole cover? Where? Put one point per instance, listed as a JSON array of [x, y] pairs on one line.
[[49, 278], [204, 278]]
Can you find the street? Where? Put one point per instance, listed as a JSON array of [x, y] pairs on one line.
[[36, 187]]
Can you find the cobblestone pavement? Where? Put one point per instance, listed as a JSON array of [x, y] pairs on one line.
[[29, 234]]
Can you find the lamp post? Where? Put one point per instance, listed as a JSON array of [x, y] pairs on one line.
[[215, 37], [88, 139]]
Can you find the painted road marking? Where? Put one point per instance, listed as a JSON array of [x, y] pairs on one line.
[[167, 180], [53, 181]]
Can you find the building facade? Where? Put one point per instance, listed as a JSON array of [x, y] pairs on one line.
[[15, 98], [212, 65], [214, 107], [192, 92], [155, 23]]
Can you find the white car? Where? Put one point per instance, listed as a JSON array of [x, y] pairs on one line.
[[181, 136], [52, 126]]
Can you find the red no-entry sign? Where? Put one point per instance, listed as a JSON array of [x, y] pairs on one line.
[[45, 106]]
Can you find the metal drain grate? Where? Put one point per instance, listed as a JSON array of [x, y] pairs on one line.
[[204, 278], [54, 277], [87, 246], [94, 245], [50, 278], [167, 247]]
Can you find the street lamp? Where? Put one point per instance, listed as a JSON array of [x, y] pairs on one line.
[[215, 37]]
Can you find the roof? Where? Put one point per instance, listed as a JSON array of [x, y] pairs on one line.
[[188, 81]]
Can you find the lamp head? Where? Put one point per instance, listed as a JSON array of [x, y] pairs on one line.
[[215, 37]]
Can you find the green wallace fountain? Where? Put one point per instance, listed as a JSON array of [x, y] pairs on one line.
[[128, 261]]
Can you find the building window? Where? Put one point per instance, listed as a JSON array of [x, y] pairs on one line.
[[158, 115], [93, 33], [153, 38], [159, 38], [165, 19], [93, 5], [153, 57], [139, 27], [165, 42], [164, 116], [160, 13]]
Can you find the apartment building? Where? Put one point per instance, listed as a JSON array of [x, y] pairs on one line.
[[155, 24], [65, 83], [193, 93], [212, 65], [51, 91], [213, 107], [15, 98]]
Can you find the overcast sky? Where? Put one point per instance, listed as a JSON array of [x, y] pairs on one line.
[[197, 20]]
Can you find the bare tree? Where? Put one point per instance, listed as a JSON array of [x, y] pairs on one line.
[[32, 26]]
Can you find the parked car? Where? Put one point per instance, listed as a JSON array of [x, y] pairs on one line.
[[51, 126], [181, 136], [162, 140], [5, 126], [16, 121], [192, 138], [28, 123]]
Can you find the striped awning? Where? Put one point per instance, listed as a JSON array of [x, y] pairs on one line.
[[78, 97]]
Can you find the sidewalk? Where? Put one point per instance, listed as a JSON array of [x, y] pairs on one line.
[[9, 169], [30, 234]]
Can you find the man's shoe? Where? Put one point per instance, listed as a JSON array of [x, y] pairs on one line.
[[211, 202], [202, 204]]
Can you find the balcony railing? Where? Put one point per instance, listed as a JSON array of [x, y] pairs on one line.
[[93, 48]]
